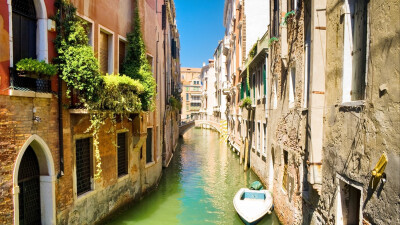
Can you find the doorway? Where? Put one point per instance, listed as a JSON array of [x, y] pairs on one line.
[[29, 184]]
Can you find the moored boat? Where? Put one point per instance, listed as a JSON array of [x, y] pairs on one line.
[[253, 205]]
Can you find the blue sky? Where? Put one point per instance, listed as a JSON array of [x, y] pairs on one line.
[[200, 27]]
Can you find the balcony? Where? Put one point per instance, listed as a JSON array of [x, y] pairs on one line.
[[226, 87], [226, 47], [24, 83]]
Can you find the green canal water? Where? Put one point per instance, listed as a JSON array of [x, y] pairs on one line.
[[196, 189]]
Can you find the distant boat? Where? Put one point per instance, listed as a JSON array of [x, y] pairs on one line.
[[252, 205]]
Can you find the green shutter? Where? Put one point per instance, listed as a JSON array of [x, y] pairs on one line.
[[265, 82], [241, 91]]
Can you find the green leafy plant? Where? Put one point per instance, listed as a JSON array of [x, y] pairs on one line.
[[120, 94], [246, 103], [288, 15], [102, 96], [272, 40], [37, 68], [253, 51], [78, 66], [175, 103], [137, 66]]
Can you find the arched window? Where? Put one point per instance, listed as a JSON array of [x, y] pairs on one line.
[[24, 29]]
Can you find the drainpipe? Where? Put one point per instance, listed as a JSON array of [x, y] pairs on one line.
[[60, 128], [10, 33]]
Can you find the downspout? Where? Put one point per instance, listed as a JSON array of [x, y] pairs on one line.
[[10, 33], [60, 128]]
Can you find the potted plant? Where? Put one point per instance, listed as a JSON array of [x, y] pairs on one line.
[[35, 69], [246, 103]]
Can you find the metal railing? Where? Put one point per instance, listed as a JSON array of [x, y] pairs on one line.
[[24, 83]]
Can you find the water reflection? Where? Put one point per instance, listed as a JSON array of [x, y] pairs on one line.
[[197, 188]]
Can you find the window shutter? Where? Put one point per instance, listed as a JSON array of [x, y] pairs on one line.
[[103, 56], [164, 17], [265, 82], [359, 50]]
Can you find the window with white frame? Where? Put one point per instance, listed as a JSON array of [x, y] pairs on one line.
[[106, 56], [355, 49], [88, 25], [265, 139], [121, 53], [275, 92], [253, 135], [292, 86], [258, 136]]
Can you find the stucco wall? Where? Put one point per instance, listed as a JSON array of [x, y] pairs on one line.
[[356, 136]]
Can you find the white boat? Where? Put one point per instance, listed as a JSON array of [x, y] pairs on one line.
[[252, 205]]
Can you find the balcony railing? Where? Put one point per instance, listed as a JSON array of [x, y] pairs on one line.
[[23, 83]]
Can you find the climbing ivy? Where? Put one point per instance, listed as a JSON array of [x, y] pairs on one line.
[[137, 66], [175, 103], [107, 96]]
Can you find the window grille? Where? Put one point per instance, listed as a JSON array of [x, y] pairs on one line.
[[149, 145], [122, 155], [83, 166]]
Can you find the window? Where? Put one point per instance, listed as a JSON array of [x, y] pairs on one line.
[[24, 29], [239, 129], [292, 5], [88, 25], [106, 52], [121, 54], [254, 87], [150, 60], [275, 25], [265, 139], [285, 170], [355, 46], [292, 87], [84, 169], [149, 145], [275, 93], [253, 129], [187, 97], [122, 154], [258, 136]]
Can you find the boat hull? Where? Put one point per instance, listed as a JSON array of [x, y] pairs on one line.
[[252, 205]]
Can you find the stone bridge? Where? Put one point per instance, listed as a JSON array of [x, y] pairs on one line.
[[209, 124], [185, 127]]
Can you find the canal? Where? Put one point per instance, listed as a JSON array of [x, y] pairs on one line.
[[196, 189]]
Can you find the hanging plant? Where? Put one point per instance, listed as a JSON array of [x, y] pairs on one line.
[[175, 103], [246, 103], [288, 15], [253, 51], [35, 69], [272, 40]]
